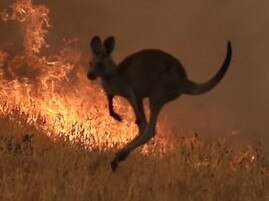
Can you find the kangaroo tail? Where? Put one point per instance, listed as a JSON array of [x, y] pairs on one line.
[[197, 89]]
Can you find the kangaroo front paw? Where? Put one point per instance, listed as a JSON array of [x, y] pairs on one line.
[[116, 116], [137, 121]]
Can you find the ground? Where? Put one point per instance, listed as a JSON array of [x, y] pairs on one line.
[[35, 167]]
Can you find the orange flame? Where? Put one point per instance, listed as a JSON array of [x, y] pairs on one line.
[[43, 86], [35, 20]]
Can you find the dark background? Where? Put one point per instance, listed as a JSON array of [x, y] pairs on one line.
[[196, 33]]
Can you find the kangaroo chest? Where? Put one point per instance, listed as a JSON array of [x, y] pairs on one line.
[[114, 87]]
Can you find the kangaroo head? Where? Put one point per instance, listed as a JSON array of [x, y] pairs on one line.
[[101, 64]]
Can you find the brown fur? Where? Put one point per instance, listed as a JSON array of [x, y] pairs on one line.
[[148, 73]]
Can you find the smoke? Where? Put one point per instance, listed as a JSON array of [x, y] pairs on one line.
[[196, 33]]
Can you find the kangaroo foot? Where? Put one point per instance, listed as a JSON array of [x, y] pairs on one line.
[[120, 156]]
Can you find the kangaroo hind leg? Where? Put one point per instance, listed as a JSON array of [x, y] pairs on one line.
[[147, 134], [141, 120]]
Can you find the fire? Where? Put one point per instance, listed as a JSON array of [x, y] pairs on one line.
[[54, 89], [35, 20]]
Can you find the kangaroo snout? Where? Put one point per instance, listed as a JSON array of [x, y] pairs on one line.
[[149, 73], [91, 75]]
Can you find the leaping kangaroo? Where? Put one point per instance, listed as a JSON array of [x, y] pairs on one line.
[[148, 73]]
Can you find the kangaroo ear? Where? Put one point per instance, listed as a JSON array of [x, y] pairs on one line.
[[96, 45], [109, 44]]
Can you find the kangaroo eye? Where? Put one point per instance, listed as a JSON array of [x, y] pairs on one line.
[[100, 65]]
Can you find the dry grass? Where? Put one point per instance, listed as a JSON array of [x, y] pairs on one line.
[[35, 168]]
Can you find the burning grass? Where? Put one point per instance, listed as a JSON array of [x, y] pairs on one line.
[[35, 167], [54, 89], [57, 138]]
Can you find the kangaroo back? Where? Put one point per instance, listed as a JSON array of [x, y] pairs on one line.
[[147, 73], [196, 89]]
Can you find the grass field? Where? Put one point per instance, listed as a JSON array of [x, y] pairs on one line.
[[34, 167]]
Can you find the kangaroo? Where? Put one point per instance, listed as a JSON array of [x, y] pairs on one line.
[[148, 73]]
